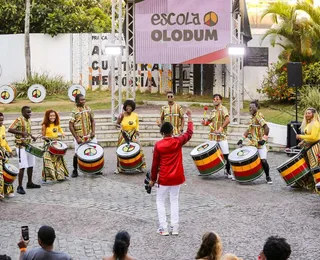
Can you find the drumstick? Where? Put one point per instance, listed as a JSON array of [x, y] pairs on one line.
[[293, 129]]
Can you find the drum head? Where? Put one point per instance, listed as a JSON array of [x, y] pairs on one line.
[[6, 94], [11, 169], [203, 148], [59, 145], [75, 90], [130, 150], [242, 154], [36, 93], [90, 152]]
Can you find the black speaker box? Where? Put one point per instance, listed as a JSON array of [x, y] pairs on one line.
[[294, 74]]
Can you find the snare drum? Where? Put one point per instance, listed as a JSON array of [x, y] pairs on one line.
[[36, 151], [10, 173], [57, 148], [294, 169], [208, 158], [246, 164], [130, 156], [316, 174], [90, 158]]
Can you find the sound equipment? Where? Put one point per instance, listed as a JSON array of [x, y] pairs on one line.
[[294, 74]]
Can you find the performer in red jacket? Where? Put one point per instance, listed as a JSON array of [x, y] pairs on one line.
[[167, 168]]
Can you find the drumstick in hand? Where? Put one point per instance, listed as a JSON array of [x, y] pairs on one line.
[[293, 129]]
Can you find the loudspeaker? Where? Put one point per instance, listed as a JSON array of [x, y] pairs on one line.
[[294, 74]]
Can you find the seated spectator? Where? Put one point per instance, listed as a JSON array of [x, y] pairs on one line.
[[5, 257], [120, 247], [46, 237], [211, 247], [230, 257], [275, 248]]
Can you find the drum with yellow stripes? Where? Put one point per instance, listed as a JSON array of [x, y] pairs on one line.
[[10, 173], [316, 174], [208, 158], [90, 158], [130, 156], [294, 169], [246, 164]]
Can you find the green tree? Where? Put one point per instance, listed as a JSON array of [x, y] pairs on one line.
[[296, 30], [56, 16]]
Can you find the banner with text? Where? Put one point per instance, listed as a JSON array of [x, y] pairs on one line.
[[180, 31]]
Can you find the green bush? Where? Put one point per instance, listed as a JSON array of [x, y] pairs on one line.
[[310, 97], [54, 85], [275, 85]]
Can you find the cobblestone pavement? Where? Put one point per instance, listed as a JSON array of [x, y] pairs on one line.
[[87, 212]]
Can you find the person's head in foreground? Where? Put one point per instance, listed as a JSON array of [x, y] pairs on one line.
[[211, 247], [275, 248]]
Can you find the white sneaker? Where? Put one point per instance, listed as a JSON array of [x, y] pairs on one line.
[[10, 195], [175, 230], [163, 231]]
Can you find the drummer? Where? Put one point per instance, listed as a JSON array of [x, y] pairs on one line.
[[257, 133], [5, 190], [310, 128], [82, 127], [54, 166], [218, 122], [21, 128], [128, 122]]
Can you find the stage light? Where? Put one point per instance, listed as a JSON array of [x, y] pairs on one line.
[[236, 49]]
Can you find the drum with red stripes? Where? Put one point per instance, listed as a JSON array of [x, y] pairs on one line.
[[90, 158], [316, 174], [130, 156], [10, 173], [208, 158], [246, 164], [294, 169], [57, 148]]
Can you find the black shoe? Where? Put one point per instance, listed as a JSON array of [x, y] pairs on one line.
[[268, 179], [98, 173], [74, 174], [33, 186], [20, 190], [295, 186]]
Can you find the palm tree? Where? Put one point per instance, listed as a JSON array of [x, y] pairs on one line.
[[27, 40], [296, 34]]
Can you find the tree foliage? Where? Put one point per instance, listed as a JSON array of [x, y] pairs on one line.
[[296, 29], [56, 16]]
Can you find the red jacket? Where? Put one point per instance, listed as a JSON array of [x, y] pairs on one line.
[[167, 159]]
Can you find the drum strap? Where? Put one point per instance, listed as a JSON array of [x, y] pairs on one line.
[[19, 155]]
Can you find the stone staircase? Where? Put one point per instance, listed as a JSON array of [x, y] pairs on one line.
[[107, 134]]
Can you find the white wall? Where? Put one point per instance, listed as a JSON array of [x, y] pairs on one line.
[[52, 55], [253, 76]]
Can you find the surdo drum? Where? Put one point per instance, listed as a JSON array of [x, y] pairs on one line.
[[36, 151], [90, 158], [246, 164], [208, 158], [7, 94], [36, 93], [316, 174], [10, 173], [57, 148], [130, 156], [75, 90], [293, 169]]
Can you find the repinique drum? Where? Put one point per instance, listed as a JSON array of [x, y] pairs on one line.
[[10, 173], [246, 164], [36, 151], [208, 158], [90, 158], [57, 148], [316, 174], [293, 169], [130, 156]]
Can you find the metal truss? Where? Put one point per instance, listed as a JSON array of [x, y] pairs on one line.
[[236, 71], [115, 76], [130, 52]]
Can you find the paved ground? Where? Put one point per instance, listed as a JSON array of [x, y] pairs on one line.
[[87, 212]]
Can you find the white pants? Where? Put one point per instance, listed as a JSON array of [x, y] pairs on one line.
[[263, 152], [26, 160], [224, 146], [162, 192], [76, 145]]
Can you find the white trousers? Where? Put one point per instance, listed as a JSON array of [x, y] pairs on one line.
[[224, 146], [263, 151], [162, 192], [27, 160]]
